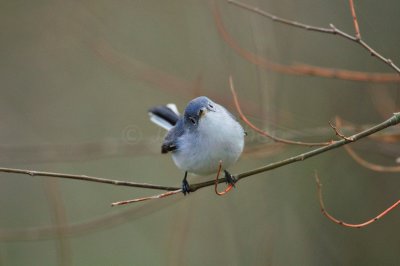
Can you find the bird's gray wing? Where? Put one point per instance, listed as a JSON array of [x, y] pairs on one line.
[[170, 142]]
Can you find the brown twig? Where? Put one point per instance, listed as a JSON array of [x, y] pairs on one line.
[[339, 222], [304, 69], [331, 30], [227, 189], [340, 135], [355, 21], [361, 161], [158, 196], [299, 68], [371, 166], [262, 132]]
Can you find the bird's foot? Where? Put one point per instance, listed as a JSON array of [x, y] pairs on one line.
[[185, 187], [230, 179]]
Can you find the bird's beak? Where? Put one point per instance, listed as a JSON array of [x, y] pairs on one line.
[[203, 112]]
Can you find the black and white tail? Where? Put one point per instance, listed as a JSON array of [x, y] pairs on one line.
[[164, 116]]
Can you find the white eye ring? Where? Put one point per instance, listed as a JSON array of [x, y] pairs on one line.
[[210, 105], [192, 120]]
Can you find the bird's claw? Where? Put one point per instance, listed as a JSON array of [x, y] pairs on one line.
[[230, 179], [185, 187]]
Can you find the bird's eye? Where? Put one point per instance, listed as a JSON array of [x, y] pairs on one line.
[[210, 105], [192, 120]]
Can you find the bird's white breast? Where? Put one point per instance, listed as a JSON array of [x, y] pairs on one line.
[[218, 137]]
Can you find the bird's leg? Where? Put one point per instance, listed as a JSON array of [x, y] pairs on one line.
[[230, 179], [185, 185]]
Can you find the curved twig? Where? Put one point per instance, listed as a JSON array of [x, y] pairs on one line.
[[227, 189], [361, 161], [265, 133], [371, 166], [339, 222]]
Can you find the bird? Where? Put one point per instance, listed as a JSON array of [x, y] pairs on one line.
[[198, 140]]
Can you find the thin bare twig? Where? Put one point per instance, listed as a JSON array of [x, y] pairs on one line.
[[299, 68], [264, 133], [355, 21], [340, 135], [339, 222], [331, 30], [361, 161], [159, 196], [344, 74], [230, 186], [371, 166], [87, 178]]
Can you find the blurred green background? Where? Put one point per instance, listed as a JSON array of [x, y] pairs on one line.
[[77, 78]]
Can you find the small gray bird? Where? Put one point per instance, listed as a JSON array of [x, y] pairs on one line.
[[198, 140]]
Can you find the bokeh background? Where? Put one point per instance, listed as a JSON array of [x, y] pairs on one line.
[[77, 78]]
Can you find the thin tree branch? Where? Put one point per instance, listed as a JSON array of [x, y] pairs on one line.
[[344, 74], [331, 30], [371, 166], [264, 133], [87, 178], [361, 161], [159, 196], [339, 222], [355, 21], [281, 20], [299, 68], [340, 135]]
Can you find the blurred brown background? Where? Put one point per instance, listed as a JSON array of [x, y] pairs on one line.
[[77, 78]]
